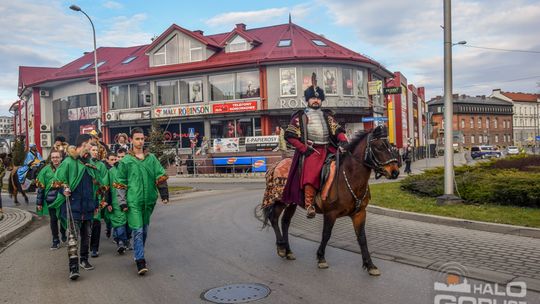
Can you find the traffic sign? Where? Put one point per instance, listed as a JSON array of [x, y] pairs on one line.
[[370, 119], [392, 90], [538, 138], [191, 132]]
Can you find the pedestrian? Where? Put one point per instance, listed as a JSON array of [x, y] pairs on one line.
[[118, 218], [101, 214], [139, 178], [103, 149], [61, 145], [74, 179], [121, 142], [46, 195], [407, 157]]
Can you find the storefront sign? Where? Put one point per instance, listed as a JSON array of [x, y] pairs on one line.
[[392, 90], [262, 143], [286, 103], [258, 164], [182, 111], [226, 145], [370, 119], [375, 87], [86, 129], [234, 107], [83, 113]]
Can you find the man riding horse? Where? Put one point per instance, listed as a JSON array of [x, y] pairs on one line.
[[32, 161], [314, 133]]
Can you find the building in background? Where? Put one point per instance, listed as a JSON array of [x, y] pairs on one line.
[[6, 126], [235, 85], [477, 121], [526, 115]]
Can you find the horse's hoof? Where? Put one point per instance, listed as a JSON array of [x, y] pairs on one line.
[[322, 265], [281, 252], [290, 256], [374, 271]]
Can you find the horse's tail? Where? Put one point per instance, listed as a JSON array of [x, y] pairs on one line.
[[267, 213]]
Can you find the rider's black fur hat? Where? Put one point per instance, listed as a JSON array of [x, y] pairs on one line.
[[314, 91]]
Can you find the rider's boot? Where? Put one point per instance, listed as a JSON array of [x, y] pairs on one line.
[[309, 198]]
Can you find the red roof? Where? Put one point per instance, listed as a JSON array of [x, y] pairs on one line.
[[265, 50], [30, 75], [521, 96]]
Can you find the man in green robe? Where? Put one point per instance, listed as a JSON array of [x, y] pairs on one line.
[[76, 179], [139, 178], [46, 195], [102, 192], [117, 217]]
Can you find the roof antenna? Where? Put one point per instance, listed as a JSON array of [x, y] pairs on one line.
[[290, 19]]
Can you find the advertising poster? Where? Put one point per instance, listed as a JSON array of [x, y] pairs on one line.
[[224, 145], [262, 143], [287, 80], [330, 81]]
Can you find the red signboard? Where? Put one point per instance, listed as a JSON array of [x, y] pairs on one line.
[[85, 129], [233, 107]]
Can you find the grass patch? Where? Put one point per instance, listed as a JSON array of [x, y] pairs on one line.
[[179, 188], [389, 195]]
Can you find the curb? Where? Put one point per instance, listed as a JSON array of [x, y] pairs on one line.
[[456, 222], [18, 227]]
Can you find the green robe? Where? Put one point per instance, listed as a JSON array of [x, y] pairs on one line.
[[101, 189], [117, 216], [139, 178], [44, 181], [70, 173]]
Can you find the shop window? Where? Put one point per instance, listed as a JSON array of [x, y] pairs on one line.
[[330, 81], [230, 128], [139, 95], [191, 91], [167, 92], [118, 97], [221, 87], [247, 84], [347, 82]]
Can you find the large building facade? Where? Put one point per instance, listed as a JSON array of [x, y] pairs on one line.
[[236, 85], [526, 118], [477, 121], [6, 126]]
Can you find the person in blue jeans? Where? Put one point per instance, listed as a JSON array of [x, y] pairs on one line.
[[139, 179]]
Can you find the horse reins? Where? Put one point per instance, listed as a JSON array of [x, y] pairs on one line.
[[357, 202]]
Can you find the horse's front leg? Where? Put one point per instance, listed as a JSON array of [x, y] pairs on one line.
[[359, 223], [329, 221], [285, 223]]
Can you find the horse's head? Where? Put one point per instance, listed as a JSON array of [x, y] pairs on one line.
[[382, 157]]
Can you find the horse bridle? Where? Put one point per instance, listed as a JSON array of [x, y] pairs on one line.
[[371, 160]]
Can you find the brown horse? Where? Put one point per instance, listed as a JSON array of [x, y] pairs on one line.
[[349, 194]]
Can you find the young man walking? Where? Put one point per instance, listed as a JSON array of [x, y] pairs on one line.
[[75, 179], [139, 178], [116, 215], [101, 192], [46, 195]]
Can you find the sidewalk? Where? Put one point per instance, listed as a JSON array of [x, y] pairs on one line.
[[14, 221]]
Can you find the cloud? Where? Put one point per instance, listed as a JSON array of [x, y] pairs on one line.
[[407, 37], [125, 31], [259, 16], [113, 5]]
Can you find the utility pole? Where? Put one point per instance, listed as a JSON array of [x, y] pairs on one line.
[[448, 197]]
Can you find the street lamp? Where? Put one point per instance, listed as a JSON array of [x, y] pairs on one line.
[[78, 9], [448, 197], [460, 43]]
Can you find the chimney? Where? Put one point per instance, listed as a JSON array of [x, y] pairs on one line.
[[241, 26], [199, 32], [496, 90], [483, 96], [463, 96], [455, 96]]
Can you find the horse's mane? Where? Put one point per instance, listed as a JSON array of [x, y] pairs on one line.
[[356, 141]]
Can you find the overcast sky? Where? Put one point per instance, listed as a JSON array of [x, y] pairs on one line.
[[404, 35]]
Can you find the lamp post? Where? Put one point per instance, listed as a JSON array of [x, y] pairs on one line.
[[78, 9], [448, 197]]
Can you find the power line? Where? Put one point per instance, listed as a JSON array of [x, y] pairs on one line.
[[488, 82], [497, 49]]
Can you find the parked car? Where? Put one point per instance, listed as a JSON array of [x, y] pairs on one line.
[[484, 152], [512, 150]]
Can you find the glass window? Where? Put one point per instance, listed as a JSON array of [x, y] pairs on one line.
[[496, 123], [472, 139], [318, 42], [139, 95], [85, 66], [306, 76], [463, 123], [347, 82], [159, 56], [129, 59], [101, 63], [118, 97], [167, 92], [287, 82], [472, 123], [330, 81], [479, 122], [361, 83], [171, 50], [487, 122], [247, 84], [479, 139], [496, 138], [191, 90], [221, 87], [229, 128], [284, 42], [196, 54], [238, 44]]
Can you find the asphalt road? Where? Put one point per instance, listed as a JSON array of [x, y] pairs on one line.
[[204, 240]]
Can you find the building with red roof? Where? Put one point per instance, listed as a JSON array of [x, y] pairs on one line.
[[526, 120], [238, 84]]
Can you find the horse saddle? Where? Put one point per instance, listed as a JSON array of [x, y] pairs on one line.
[[328, 174]]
